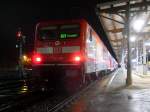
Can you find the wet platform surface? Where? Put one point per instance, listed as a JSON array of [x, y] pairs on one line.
[[114, 96]]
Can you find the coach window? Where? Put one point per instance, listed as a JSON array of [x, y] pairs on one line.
[[90, 38]]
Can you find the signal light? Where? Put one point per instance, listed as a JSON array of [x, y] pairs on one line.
[[19, 34]]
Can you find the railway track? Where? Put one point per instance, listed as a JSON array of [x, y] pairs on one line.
[[39, 102], [35, 102], [9, 91], [63, 104], [56, 103]]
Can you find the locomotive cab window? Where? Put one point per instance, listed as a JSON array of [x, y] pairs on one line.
[[48, 33], [65, 31], [90, 37], [69, 31]]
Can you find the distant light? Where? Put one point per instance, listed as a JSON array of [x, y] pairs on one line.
[[132, 39], [88, 41], [132, 49], [19, 34], [24, 89], [147, 43], [134, 60], [25, 58], [138, 24], [17, 46]]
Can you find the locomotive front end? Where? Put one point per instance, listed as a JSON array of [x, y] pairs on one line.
[[57, 44], [58, 55]]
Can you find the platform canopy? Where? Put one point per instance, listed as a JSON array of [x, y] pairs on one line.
[[114, 20]]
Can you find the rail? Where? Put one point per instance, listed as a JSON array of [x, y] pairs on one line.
[[60, 106], [12, 86], [69, 100]]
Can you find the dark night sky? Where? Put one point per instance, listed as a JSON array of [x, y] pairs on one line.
[[26, 14]]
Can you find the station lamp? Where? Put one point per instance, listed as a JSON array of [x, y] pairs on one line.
[[138, 24], [132, 39], [147, 43]]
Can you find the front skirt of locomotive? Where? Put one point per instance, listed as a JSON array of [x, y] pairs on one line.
[[66, 78]]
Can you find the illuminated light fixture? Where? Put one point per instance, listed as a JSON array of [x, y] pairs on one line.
[[132, 49], [132, 39], [138, 24], [147, 43], [19, 34], [25, 58], [25, 88], [134, 60], [37, 59], [88, 41], [77, 58], [91, 55]]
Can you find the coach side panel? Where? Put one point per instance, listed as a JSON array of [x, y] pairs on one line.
[[94, 52]]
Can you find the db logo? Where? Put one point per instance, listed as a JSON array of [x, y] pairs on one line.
[[57, 43]]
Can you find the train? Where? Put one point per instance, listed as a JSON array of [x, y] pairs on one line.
[[68, 54]]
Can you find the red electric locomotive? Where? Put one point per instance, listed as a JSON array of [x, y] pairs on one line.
[[68, 54]]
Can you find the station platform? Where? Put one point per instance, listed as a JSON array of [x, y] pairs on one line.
[[112, 95]]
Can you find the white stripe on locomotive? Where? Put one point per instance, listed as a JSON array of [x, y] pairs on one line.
[[45, 50], [70, 49]]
